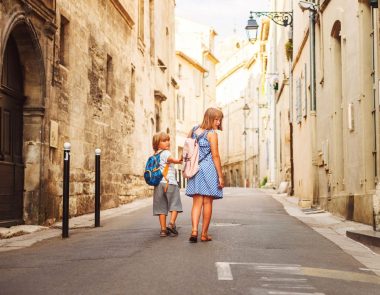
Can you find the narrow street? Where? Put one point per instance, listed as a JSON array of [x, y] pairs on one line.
[[257, 249]]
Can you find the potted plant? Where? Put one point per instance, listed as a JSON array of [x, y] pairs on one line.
[[289, 50]]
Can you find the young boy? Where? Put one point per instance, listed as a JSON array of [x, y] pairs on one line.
[[166, 196]]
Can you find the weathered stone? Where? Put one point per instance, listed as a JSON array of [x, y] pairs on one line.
[[89, 89]]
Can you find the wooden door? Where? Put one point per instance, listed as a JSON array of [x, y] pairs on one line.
[[11, 138]]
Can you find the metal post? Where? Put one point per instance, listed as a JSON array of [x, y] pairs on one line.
[[245, 149], [97, 187], [258, 137], [66, 189]]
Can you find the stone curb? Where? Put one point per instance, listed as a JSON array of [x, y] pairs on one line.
[[21, 236]]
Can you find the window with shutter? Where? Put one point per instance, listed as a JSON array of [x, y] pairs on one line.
[[299, 100]]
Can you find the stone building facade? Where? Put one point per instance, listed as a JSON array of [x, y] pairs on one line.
[[97, 74]]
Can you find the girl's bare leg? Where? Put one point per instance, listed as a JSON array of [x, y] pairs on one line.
[[207, 212], [196, 212]]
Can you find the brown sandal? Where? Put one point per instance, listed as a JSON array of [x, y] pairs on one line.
[[206, 238], [193, 238], [163, 233]]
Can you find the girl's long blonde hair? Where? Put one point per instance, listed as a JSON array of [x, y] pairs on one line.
[[210, 115]]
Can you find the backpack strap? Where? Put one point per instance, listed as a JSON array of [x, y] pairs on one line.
[[165, 173], [202, 135]]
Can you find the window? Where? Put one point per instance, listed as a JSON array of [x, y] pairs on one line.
[[141, 20], [63, 41], [197, 83], [183, 108], [178, 107], [151, 27], [299, 100], [304, 106], [132, 93], [179, 71], [109, 75]]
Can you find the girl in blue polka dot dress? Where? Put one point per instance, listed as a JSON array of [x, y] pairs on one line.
[[207, 184]]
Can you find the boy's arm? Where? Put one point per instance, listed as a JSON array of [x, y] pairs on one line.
[[175, 161]]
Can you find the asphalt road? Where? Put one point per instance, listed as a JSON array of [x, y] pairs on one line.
[[257, 249]]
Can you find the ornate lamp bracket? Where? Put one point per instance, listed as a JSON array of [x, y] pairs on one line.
[[281, 18]]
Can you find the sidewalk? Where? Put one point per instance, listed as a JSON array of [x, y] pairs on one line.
[[22, 236], [335, 229]]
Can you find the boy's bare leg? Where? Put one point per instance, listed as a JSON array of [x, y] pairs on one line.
[[207, 212], [173, 217], [162, 218], [196, 212]]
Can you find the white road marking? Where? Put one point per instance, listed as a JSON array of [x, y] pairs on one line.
[[287, 286], [292, 293], [266, 279], [370, 269], [224, 271], [225, 274]]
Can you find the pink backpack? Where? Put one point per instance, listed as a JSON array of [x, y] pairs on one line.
[[191, 155]]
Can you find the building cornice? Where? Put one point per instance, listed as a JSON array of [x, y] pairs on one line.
[[191, 61], [40, 9], [210, 56], [124, 14], [251, 61], [300, 49], [230, 72]]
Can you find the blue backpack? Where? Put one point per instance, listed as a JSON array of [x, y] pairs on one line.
[[153, 174]]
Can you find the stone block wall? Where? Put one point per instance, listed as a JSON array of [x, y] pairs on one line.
[[98, 82]]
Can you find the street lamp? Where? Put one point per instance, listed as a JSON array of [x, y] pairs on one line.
[[246, 109], [252, 28], [284, 19]]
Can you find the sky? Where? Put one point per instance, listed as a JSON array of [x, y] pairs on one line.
[[224, 16]]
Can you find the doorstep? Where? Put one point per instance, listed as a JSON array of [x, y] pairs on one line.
[[367, 237]]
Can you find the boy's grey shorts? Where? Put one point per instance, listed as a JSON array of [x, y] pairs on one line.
[[166, 202]]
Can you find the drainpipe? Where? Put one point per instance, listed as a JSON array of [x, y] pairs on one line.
[[374, 34], [274, 99], [291, 192], [313, 113]]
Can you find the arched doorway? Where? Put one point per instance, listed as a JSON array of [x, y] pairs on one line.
[[22, 103], [11, 136]]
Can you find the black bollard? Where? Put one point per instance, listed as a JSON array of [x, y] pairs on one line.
[[97, 187], [66, 189]]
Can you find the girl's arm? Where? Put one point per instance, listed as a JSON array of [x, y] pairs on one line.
[[213, 139]]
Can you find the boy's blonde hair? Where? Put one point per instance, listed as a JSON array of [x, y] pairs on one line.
[[157, 138], [210, 115]]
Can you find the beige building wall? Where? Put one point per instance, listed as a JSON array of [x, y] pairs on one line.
[[283, 100], [110, 84], [301, 114], [347, 180], [345, 134]]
